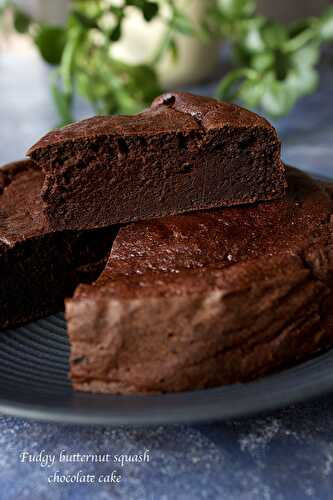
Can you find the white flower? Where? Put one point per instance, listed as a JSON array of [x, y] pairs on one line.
[[108, 21], [97, 37], [113, 3]]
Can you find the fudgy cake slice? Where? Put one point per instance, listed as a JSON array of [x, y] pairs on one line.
[[40, 267], [208, 298], [184, 153]]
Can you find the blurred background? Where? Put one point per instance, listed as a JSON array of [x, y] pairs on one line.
[[64, 60]]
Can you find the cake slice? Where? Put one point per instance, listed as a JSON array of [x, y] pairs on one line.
[[208, 298], [184, 153], [39, 267]]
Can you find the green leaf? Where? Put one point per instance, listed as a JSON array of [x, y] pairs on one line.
[[182, 24], [67, 66], [237, 8], [302, 80], [135, 3], [150, 10], [228, 88], [326, 25], [85, 21], [51, 41], [115, 34], [298, 27], [307, 56], [91, 9], [277, 99], [274, 35], [62, 101], [262, 61], [302, 39], [252, 40], [251, 91], [84, 87], [173, 47], [282, 64], [21, 21]]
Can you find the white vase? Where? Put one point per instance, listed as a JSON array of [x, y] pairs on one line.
[[196, 60]]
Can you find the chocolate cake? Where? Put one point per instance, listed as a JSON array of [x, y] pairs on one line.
[[208, 298], [40, 267], [184, 153]]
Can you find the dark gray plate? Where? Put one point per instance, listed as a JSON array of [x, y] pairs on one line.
[[33, 372], [34, 384]]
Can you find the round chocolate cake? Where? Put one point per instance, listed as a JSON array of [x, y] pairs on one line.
[[209, 298]]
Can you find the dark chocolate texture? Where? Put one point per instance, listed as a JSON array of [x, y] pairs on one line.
[[184, 153], [209, 298], [40, 267]]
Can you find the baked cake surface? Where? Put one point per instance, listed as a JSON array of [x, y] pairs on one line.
[[184, 153], [39, 266], [208, 298]]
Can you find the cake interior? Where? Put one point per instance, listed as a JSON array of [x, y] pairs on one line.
[[40, 267], [166, 162]]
